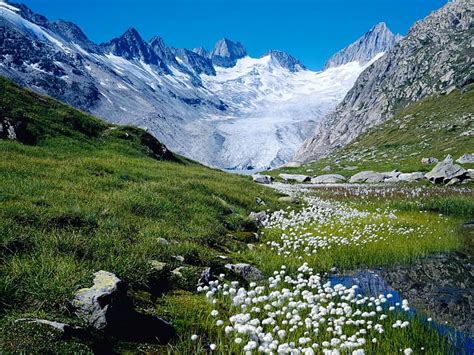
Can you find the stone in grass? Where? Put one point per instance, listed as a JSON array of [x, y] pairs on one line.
[[295, 177], [106, 307], [328, 179], [246, 271], [454, 181], [411, 177], [98, 304], [446, 170], [430, 160], [262, 179], [259, 217], [368, 177], [64, 329], [467, 158], [260, 202], [326, 168]]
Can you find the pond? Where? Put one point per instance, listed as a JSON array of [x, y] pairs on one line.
[[439, 290]]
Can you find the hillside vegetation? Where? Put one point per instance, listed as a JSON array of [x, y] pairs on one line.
[[79, 195], [433, 127]]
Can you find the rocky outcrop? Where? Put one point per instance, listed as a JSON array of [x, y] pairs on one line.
[[378, 40], [432, 59], [445, 171], [411, 177]]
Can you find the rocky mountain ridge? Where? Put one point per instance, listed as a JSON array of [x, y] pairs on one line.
[[434, 58]]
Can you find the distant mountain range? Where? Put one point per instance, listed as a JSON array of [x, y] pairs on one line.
[[434, 58], [220, 107]]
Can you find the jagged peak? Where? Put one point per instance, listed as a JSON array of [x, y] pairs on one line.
[[377, 40], [286, 60]]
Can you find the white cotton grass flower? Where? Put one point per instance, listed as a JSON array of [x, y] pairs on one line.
[[194, 337]]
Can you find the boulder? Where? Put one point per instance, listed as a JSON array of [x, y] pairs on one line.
[[260, 217], [430, 160], [106, 307], [467, 158], [98, 304], [446, 170], [470, 173], [328, 179], [411, 177], [247, 272], [262, 179], [326, 168], [367, 176], [295, 177]]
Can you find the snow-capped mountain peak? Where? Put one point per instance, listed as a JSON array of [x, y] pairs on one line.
[[226, 53], [377, 40], [286, 60]]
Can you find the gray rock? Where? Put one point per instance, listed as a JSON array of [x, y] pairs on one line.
[[445, 171], [411, 177], [96, 305], [367, 176], [430, 160], [179, 258], [163, 241], [470, 173], [262, 179], [328, 179], [158, 266], [260, 217], [205, 277], [326, 168], [259, 201], [246, 271], [295, 177], [63, 328], [454, 181], [350, 168], [467, 158]]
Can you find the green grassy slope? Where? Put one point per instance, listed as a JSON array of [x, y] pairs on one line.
[[433, 127], [79, 195]]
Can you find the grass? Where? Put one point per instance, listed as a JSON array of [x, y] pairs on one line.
[[432, 127]]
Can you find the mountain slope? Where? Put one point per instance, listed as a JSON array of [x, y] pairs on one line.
[[434, 57]]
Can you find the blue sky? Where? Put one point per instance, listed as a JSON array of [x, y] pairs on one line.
[[311, 30]]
